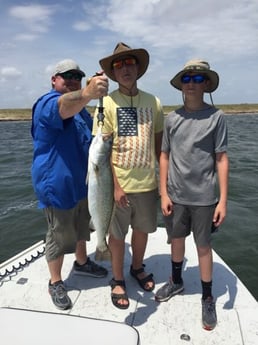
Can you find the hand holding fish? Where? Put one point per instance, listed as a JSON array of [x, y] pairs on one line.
[[97, 86]]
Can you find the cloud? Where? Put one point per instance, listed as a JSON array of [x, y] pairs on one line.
[[10, 72], [205, 27], [81, 26], [25, 37], [35, 17], [34, 36]]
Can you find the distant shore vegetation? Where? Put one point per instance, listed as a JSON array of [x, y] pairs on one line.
[[25, 114]]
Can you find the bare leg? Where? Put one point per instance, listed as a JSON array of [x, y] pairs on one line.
[[205, 263], [55, 267], [117, 248], [178, 249], [139, 243], [80, 252]]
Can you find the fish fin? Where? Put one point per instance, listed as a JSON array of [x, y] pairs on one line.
[[96, 168], [87, 178], [103, 255]]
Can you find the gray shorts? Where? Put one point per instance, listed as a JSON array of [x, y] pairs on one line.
[[185, 219], [141, 214], [65, 228]]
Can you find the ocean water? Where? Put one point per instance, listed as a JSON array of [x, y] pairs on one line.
[[22, 224]]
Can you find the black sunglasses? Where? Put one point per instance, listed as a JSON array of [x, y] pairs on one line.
[[70, 76]]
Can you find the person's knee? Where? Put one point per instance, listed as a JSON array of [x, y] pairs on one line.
[[203, 250]]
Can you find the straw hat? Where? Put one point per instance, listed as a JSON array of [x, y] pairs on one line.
[[197, 66], [121, 50]]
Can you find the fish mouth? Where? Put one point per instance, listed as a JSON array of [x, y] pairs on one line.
[[106, 136]]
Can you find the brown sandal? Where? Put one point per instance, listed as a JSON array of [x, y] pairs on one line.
[[142, 282], [115, 297]]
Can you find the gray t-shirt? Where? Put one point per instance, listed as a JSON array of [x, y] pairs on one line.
[[192, 140]]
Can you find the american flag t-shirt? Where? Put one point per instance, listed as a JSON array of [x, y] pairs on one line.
[[134, 137], [127, 121]]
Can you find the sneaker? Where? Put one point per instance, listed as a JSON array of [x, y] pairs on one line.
[[168, 290], [59, 295], [209, 317], [90, 268]]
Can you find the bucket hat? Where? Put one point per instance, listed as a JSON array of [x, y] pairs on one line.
[[67, 65], [197, 66], [122, 50]]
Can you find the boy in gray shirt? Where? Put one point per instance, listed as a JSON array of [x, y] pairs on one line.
[[193, 149]]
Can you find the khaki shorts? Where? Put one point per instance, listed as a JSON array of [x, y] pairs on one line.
[[185, 219], [141, 214], [65, 228]]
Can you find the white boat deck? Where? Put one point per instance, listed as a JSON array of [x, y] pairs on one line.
[[156, 323]]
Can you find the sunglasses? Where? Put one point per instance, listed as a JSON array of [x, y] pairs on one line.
[[124, 62], [197, 79], [71, 76]]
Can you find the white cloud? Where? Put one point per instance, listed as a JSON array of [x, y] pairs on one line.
[[25, 37], [10, 72], [28, 12], [204, 26], [34, 36], [35, 17], [81, 26]]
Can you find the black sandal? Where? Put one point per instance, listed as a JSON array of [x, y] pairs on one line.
[[115, 297], [142, 282]]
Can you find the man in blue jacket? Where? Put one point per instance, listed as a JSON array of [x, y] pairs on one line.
[[61, 131]]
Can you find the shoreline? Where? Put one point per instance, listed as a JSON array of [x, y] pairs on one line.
[[229, 109]]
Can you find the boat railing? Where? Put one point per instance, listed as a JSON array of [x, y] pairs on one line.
[[12, 266]]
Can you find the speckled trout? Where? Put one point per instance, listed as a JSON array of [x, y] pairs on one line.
[[100, 190]]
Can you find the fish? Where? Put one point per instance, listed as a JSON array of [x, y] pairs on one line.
[[101, 190]]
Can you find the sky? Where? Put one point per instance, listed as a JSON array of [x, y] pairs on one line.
[[35, 35]]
